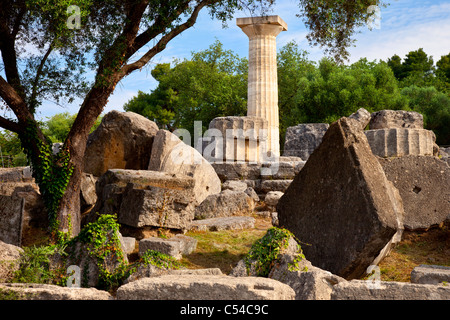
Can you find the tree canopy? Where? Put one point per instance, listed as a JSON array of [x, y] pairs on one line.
[[211, 84]]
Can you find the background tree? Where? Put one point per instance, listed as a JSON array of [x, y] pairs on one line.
[[443, 72], [107, 40], [211, 84], [435, 108], [294, 72]]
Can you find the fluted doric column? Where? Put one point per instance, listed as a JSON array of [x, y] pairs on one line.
[[262, 73]]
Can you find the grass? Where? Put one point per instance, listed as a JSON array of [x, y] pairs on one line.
[[223, 249], [416, 248]]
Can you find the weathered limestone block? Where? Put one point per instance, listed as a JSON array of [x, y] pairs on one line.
[[225, 204], [16, 174], [234, 185], [173, 156], [429, 274], [207, 287], [128, 244], [37, 291], [275, 185], [223, 223], [147, 271], [123, 140], [282, 169], [388, 290], [397, 142], [176, 246], [146, 198], [237, 139], [386, 119], [252, 194], [9, 260], [88, 197], [302, 139], [272, 198], [237, 171], [11, 215], [424, 185], [20, 221], [341, 203], [362, 116], [156, 206], [308, 282]]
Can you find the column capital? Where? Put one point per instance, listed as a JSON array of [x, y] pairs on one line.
[[274, 20]]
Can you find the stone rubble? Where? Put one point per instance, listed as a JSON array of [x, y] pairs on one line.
[[150, 183]]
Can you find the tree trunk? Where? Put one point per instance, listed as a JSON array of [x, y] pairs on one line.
[[68, 214]]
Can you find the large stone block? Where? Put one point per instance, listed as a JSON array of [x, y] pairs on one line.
[[176, 246], [341, 203], [11, 215], [171, 155], [397, 142], [388, 290], [205, 287], [386, 119], [302, 139], [237, 171], [237, 139], [155, 206], [424, 185], [123, 140], [20, 221], [308, 282], [9, 261], [430, 274], [16, 174], [146, 198], [38, 291], [225, 204]]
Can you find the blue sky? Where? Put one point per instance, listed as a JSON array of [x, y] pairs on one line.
[[405, 25]]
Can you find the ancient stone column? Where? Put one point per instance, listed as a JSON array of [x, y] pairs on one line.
[[262, 72]]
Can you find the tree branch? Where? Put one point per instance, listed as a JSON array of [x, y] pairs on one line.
[[14, 101], [9, 56], [18, 21], [156, 28], [34, 91], [161, 44], [10, 125]]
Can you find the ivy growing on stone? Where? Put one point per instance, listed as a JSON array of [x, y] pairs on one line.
[[265, 252]]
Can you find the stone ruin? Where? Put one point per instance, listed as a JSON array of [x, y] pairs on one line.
[[254, 138], [347, 193]]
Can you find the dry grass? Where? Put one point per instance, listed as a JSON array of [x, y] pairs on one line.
[[223, 249], [416, 248]]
